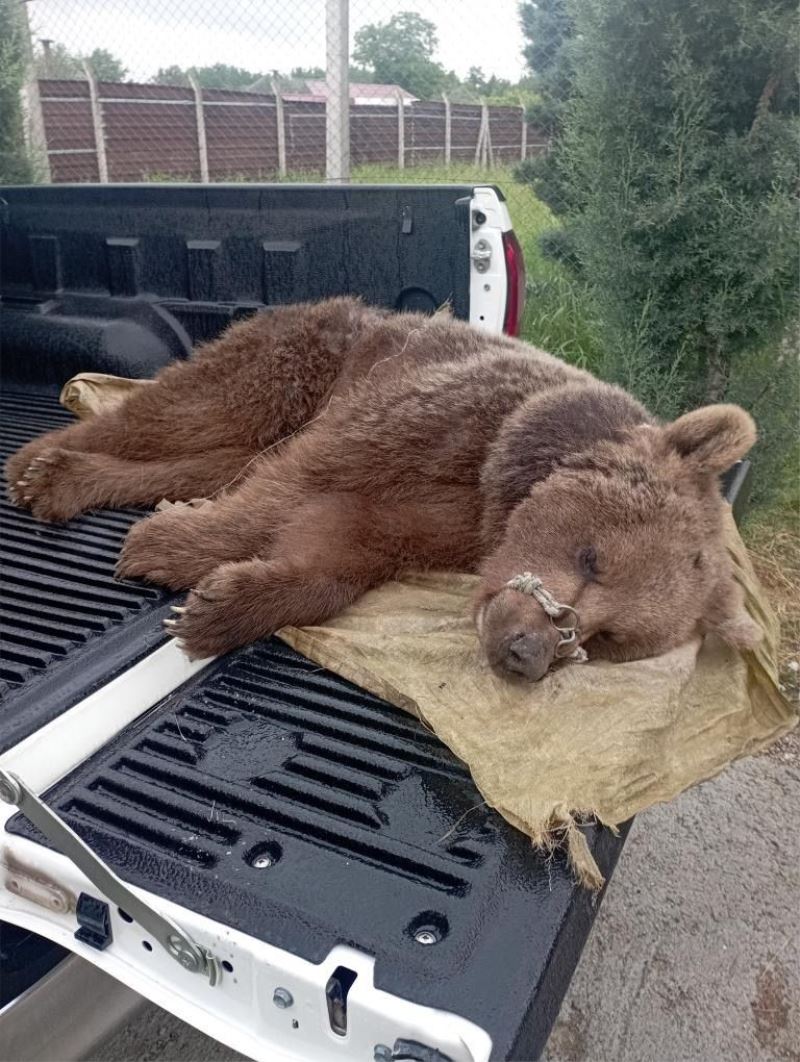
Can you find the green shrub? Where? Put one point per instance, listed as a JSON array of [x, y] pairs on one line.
[[14, 165], [675, 175]]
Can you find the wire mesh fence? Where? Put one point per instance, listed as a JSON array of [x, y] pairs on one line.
[[329, 91], [138, 90]]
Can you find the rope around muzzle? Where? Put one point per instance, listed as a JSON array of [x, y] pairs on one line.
[[569, 647]]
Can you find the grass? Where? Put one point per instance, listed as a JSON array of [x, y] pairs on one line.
[[557, 315]]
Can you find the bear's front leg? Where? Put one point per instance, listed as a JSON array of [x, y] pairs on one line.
[[331, 550], [243, 602]]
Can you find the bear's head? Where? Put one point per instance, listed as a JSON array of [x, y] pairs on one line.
[[628, 532]]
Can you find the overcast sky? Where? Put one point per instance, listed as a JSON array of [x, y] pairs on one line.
[[261, 35]]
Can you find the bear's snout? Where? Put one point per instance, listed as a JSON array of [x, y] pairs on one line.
[[526, 655], [518, 639]]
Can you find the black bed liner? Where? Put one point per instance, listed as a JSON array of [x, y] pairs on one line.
[[373, 831], [66, 625]]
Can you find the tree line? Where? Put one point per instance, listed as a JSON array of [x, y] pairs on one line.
[[400, 51]]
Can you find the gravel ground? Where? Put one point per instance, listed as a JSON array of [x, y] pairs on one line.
[[695, 955]]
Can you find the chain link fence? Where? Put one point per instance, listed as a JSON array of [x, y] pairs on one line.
[[265, 90], [334, 90]]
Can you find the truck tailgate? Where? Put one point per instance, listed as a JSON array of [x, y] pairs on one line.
[[275, 798]]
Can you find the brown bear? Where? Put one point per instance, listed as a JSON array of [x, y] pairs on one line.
[[344, 445]]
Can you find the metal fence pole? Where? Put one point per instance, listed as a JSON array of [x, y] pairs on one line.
[[200, 121], [276, 91], [97, 123], [337, 110], [524, 137], [448, 130]]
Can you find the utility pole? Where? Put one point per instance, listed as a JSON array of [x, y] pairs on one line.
[[337, 107]]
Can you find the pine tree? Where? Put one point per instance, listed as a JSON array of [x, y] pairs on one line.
[[679, 153], [548, 27]]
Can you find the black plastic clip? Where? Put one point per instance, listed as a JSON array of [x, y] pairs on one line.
[[94, 920]]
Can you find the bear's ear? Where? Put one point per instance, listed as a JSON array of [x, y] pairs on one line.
[[712, 438], [726, 616]]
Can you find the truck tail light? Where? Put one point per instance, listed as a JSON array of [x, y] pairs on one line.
[[515, 272]]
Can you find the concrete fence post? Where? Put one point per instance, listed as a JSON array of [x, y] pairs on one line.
[[33, 127], [485, 138], [279, 118], [97, 123], [448, 130], [481, 136], [200, 122], [523, 153], [401, 131]]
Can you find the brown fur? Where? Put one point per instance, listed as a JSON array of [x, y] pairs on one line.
[[345, 446]]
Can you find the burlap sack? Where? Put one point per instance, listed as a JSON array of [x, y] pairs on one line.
[[595, 740], [89, 393]]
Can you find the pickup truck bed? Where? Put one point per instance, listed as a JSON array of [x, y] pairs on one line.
[[274, 808], [66, 625]]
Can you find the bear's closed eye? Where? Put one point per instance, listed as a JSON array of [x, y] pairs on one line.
[[611, 636], [587, 562]]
